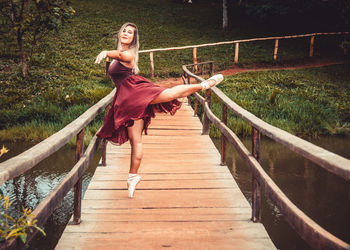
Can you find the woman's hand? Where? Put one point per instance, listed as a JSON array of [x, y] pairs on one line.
[[101, 56]]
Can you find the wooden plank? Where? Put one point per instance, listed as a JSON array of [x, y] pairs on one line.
[[167, 214], [101, 176], [168, 239], [184, 194], [163, 184]]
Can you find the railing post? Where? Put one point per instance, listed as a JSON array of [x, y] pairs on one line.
[[223, 139], [152, 64], [195, 59], [206, 121], [312, 41], [256, 194], [107, 67], [78, 186], [195, 107], [275, 50], [211, 68], [104, 150], [236, 52]]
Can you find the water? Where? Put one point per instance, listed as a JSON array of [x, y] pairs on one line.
[[321, 195], [29, 189]]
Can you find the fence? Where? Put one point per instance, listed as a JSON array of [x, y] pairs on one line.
[[237, 42]]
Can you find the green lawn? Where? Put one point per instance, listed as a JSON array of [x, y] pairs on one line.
[[64, 81], [306, 102]]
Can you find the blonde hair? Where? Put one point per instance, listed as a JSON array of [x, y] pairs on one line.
[[134, 45]]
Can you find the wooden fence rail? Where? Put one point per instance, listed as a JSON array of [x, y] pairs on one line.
[[28, 159], [310, 231], [237, 42]]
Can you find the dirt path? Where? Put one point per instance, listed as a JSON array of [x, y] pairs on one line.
[[235, 69]]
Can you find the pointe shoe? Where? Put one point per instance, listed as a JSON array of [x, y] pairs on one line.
[[132, 182], [217, 78]]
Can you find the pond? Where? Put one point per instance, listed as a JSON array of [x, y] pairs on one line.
[[321, 195], [29, 189]]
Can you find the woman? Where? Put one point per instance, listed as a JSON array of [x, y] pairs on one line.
[[136, 99]]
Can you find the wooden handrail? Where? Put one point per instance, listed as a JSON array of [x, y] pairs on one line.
[[47, 206], [28, 159], [18, 165], [242, 41], [309, 230], [237, 42], [328, 160]]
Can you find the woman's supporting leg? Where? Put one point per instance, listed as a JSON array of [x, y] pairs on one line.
[[135, 137]]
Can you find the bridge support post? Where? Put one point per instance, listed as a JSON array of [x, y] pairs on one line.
[[78, 185], [256, 194], [206, 121], [223, 139]]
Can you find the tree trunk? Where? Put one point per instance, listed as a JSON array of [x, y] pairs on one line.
[[224, 15], [25, 68]]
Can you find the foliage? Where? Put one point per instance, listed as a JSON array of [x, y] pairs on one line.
[[30, 20], [10, 227], [3, 150], [314, 14]]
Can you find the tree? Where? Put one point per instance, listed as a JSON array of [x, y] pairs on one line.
[[30, 20], [224, 15]]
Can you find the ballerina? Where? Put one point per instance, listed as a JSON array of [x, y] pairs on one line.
[[137, 99]]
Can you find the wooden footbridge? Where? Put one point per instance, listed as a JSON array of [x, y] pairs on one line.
[[187, 198]]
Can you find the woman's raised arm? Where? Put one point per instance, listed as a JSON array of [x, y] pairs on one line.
[[124, 56]]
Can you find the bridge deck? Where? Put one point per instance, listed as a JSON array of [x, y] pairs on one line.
[[185, 199]]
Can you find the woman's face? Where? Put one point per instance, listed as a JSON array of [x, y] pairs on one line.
[[127, 35]]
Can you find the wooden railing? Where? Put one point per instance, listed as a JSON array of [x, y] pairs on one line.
[[237, 42], [30, 158], [310, 231]]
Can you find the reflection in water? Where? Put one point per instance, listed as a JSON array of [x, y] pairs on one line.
[[322, 196], [32, 187]]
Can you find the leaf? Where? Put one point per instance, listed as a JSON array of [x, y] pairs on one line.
[[40, 229], [4, 150], [23, 237], [14, 232]]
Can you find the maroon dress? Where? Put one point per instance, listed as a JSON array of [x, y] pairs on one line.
[[131, 102]]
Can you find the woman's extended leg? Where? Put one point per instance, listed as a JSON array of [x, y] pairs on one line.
[[135, 137], [180, 91]]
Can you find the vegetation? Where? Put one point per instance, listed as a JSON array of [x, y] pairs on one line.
[[305, 102], [10, 227], [29, 20], [64, 82], [301, 14]]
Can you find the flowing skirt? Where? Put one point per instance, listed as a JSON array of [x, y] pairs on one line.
[[132, 102]]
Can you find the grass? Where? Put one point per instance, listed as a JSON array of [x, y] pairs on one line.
[[306, 102], [64, 81]]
